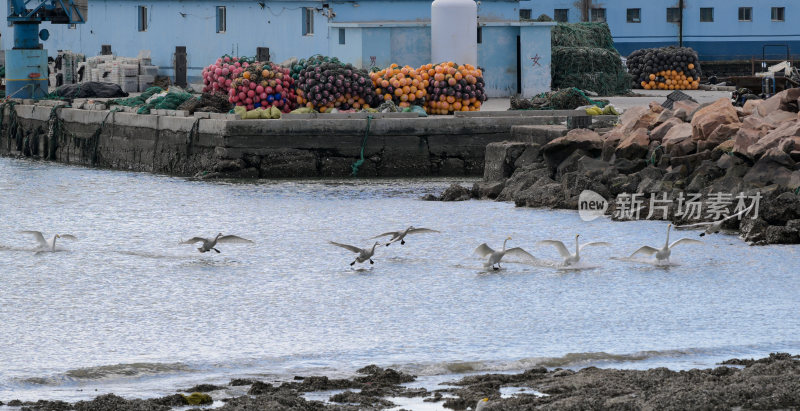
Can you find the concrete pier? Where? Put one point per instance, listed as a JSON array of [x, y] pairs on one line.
[[396, 144]]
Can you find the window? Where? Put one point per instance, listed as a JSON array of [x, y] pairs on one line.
[[561, 15], [745, 14], [341, 36], [778, 14], [673, 15], [222, 19], [142, 18], [480, 35], [308, 21], [524, 14], [599, 15], [634, 15], [707, 14]]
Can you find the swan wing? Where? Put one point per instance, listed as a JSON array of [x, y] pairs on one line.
[[645, 249], [422, 230], [347, 247], [233, 239], [685, 241], [595, 243], [391, 233], [38, 236], [483, 250], [558, 245], [518, 252], [695, 225], [193, 240], [740, 213], [68, 236]]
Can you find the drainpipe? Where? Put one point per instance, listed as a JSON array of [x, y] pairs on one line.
[[680, 23]]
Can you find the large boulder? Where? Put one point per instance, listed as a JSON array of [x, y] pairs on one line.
[[708, 118], [744, 138], [690, 161], [456, 193], [676, 134], [788, 129], [610, 142], [522, 179], [774, 167], [579, 139], [640, 117], [661, 130], [722, 133], [500, 158], [634, 145], [790, 98], [684, 109], [757, 123], [750, 106], [778, 117]]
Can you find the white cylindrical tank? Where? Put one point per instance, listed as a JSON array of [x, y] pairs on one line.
[[454, 31]]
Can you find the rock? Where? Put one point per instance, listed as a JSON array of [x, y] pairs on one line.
[[429, 197], [455, 193], [795, 155], [198, 398], [769, 105], [610, 142], [782, 235], [708, 118], [774, 167], [750, 106], [780, 209], [531, 155], [757, 123], [676, 173], [691, 161], [790, 98], [788, 144], [778, 117], [487, 189], [521, 180], [573, 184], [261, 388], [633, 146], [773, 138], [656, 107], [703, 176], [754, 230], [630, 117], [684, 148], [724, 148], [579, 139], [204, 388], [684, 109], [663, 117], [677, 134], [722, 133], [541, 195], [624, 184], [626, 166], [499, 159], [744, 138], [579, 161], [660, 132]]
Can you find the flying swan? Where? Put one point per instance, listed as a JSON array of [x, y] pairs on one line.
[[715, 226], [664, 252], [210, 244], [401, 235], [484, 250], [570, 259], [364, 254], [45, 245]]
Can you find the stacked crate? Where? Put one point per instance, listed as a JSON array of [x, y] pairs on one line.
[[68, 70], [132, 74]]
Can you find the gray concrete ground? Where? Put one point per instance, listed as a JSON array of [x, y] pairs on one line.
[[624, 103]]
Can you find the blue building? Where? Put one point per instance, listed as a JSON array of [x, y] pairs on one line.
[[513, 50]]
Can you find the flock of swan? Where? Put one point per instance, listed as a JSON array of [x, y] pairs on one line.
[[493, 257]]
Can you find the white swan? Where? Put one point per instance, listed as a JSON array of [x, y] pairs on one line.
[[715, 226], [484, 250], [45, 245], [401, 235], [570, 259], [663, 253], [364, 254], [209, 244]]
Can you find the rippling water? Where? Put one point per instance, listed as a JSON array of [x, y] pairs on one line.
[[126, 309]]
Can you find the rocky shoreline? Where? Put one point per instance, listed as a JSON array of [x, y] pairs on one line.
[[711, 153], [768, 383]]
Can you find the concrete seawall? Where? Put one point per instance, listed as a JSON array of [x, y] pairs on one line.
[[296, 146]]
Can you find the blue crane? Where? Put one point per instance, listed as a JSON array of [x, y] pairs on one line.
[[26, 62]]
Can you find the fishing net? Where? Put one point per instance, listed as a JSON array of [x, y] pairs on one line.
[[208, 102], [565, 99], [584, 57], [170, 101], [138, 100], [596, 35]]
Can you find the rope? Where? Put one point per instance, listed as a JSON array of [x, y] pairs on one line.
[[652, 159], [359, 162]]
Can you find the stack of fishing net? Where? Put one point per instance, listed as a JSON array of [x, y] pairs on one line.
[[665, 68], [208, 102], [139, 100], [584, 57], [169, 101], [565, 99]]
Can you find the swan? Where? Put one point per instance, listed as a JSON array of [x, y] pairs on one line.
[[209, 244], [484, 250], [570, 259], [401, 235], [714, 227], [663, 253], [364, 254], [45, 245]]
